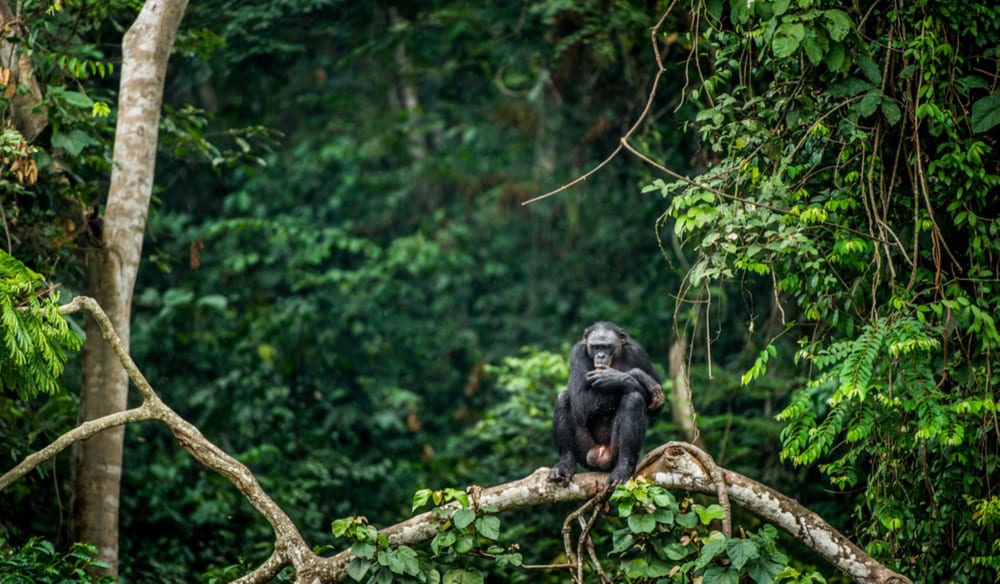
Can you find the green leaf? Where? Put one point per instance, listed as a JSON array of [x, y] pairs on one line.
[[488, 526], [383, 576], [664, 517], [458, 495], [420, 498], [77, 99], [707, 514], [465, 544], [720, 575], [787, 39], [463, 576], [404, 561], [986, 113], [849, 87], [764, 571], [836, 57], [741, 551], [357, 568], [463, 518], [676, 552], [364, 550], [714, 547], [637, 569], [516, 560], [869, 104], [217, 301], [443, 540], [870, 70], [642, 523], [687, 520], [714, 7], [622, 540], [837, 23], [664, 498], [73, 142], [780, 6], [891, 111], [816, 45]]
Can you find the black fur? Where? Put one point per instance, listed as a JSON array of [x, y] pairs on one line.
[[600, 420]]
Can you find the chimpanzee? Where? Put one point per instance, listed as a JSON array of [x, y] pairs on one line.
[[600, 420]]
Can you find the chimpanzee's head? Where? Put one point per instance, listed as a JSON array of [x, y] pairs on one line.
[[605, 341]]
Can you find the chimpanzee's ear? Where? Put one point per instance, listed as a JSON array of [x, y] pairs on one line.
[[622, 335], [586, 332]]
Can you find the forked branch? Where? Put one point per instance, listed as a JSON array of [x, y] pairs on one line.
[[675, 465]]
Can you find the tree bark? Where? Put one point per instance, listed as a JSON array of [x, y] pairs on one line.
[[113, 268], [27, 121], [681, 405], [673, 466]]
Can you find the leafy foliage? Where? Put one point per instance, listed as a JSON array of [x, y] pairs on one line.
[[36, 337], [327, 306], [987, 514], [465, 530], [850, 174], [38, 562], [665, 540]]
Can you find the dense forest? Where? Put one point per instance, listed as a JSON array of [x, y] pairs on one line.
[[351, 244]]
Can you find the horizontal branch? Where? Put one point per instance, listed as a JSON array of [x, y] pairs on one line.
[[673, 466], [533, 490]]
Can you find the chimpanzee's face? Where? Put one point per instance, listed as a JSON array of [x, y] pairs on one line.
[[604, 344]]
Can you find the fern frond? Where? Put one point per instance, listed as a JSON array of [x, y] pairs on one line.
[[35, 336], [858, 366]]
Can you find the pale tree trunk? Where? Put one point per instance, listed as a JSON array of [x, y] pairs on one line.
[[97, 462]]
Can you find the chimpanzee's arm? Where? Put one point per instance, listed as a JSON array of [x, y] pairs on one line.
[[651, 389], [634, 379]]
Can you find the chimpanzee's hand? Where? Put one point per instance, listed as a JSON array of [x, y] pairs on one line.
[[607, 378]]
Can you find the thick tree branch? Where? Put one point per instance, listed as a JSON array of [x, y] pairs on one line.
[[675, 465]]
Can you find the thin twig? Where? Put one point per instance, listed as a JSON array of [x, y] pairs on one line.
[[567, 533], [642, 116], [586, 543]]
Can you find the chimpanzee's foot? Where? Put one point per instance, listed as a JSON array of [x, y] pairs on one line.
[[563, 471], [618, 476]]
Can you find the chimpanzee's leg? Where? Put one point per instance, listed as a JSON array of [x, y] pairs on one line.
[[627, 436], [572, 441]]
